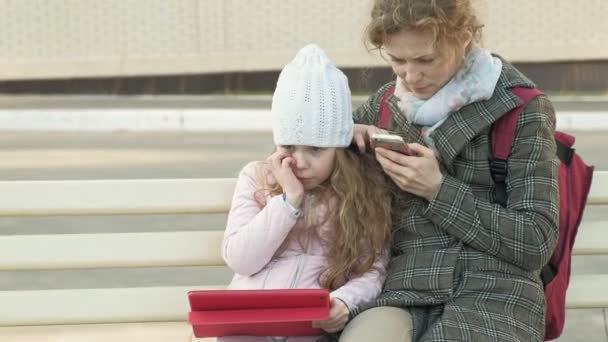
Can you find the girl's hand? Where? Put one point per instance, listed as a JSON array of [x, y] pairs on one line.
[[281, 167], [362, 135], [418, 174], [338, 316]]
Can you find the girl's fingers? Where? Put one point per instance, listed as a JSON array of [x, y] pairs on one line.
[[286, 162], [276, 159]]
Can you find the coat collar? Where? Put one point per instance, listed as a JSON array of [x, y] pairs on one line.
[[471, 120]]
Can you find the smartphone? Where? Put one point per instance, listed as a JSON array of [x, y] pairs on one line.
[[390, 142]]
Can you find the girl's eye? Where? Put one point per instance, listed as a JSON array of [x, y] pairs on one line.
[[288, 147], [427, 61], [316, 149]]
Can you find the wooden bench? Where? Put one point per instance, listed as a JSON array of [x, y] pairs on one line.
[[154, 313]]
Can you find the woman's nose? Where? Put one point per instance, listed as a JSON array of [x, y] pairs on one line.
[[411, 75], [408, 72]]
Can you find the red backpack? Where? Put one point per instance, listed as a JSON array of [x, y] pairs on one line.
[[574, 185]]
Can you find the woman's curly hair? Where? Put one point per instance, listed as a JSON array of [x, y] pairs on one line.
[[447, 20]]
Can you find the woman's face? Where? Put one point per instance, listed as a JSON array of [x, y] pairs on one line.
[[423, 67]]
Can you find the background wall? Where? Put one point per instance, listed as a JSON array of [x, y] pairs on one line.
[[61, 39]]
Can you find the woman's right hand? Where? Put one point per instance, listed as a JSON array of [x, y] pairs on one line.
[[281, 166], [362, 135]]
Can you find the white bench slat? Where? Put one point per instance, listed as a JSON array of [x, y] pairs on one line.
[[127, 196], [68, 251], [152, 304], [116, 332], [587, 291], [599, 188], [112, 305], [142, 196], [592, 238], [65, 251]]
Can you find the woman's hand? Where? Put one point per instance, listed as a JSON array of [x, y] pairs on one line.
[[338, 316], [362, 135], [418, 174], [281, 167]]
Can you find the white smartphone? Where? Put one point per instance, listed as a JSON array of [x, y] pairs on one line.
[[390, 142]]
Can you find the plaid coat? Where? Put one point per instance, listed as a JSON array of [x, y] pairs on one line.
[[466, 268]]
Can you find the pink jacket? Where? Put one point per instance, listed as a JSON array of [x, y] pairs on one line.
[[254, 234]]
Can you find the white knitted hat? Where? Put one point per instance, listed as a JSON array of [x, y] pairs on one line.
[[311, 104]]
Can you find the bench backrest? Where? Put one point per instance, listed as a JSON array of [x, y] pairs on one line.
[[159, 249]]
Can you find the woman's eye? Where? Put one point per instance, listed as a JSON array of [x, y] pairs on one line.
[[427, 61]]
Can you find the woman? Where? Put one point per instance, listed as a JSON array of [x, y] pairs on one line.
[[463, 268]]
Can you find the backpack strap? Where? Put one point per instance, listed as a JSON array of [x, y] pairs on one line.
[[384, 119], [503, 136]]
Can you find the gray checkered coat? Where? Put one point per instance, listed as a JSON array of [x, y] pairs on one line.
[[465, 267]]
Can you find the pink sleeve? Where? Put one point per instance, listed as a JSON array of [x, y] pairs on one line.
[[364, 288], [253, 234]]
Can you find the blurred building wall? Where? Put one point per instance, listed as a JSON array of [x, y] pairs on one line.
[[46, 39]]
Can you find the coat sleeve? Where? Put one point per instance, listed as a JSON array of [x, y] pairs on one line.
[[364, 288], [254, 233], [526, 231]]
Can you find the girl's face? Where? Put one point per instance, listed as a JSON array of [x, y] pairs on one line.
[[423, 67], [313, 165]]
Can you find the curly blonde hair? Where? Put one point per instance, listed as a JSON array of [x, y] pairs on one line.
[[357, 195], [447, 20]]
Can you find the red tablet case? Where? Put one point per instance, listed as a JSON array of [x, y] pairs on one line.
[[257, 312]]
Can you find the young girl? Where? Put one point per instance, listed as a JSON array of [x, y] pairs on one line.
[[316, 213]]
